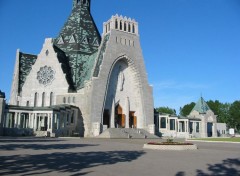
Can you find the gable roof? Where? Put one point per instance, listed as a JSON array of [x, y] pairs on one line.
[[201, 106]]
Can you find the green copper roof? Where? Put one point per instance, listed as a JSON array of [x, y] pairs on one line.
[[201, 106], [80, 39], [25, 66]]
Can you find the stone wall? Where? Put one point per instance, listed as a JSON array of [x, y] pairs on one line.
[[57, 86]]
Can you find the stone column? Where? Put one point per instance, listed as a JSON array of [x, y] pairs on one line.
[[214, 130], [176, 125], [187, 130], [112, 121], [53, 122], [185, 126], [58, 121], [48, 121], [6, 120], [35, 122], [127, 109], [65, 119], [16, 120], [203, 128]]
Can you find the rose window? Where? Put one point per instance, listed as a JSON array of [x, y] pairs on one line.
[[45, 75]]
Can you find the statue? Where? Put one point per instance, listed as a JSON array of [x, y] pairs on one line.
[[121, 79]]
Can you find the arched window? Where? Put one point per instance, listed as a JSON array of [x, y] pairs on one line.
[[64, 100], [129, 27], [116, 24], [120, 25], [73, 100], [27, 103], [43, 99], [69, 99], [133, 28], [163, 122], [125, 26], [51, 98], [35, 99]]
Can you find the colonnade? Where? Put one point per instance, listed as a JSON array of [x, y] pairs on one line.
[[46, 121]]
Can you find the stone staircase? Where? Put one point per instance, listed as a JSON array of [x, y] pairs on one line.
[[126, 133]]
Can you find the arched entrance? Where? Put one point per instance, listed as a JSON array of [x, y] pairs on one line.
[[119, 117]]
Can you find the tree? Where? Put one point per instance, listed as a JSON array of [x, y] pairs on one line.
[[166, 110], [220, 109], [234, 113], [185, 111]]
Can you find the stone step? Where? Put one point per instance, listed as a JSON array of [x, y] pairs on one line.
[[124, 133]]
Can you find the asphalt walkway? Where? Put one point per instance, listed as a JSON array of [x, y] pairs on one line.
[[104, 157]]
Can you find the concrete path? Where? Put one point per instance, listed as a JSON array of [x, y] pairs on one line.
[[104, 157]]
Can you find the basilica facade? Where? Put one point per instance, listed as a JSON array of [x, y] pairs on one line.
[[82, 82]]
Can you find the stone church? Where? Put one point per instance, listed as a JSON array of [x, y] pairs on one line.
[[82, 82]]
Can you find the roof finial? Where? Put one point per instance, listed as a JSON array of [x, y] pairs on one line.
[[82, 3]]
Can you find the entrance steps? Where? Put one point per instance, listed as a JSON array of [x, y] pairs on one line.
[[126, 133]]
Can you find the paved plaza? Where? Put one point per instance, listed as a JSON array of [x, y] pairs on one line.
[[104, 157]]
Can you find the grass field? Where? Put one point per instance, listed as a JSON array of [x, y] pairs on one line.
[[234, 139]]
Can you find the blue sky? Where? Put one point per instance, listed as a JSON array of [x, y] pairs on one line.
[[190, 47]]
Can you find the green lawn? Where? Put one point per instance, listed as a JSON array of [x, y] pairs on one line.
[[235, 139]]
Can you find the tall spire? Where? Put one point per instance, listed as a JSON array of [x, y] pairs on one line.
[[80, 39]]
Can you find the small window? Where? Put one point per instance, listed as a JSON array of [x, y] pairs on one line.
[[129, 27], [43, 99], [116, 24], [133, 29], [197, 127], [69, 99], [125, 26], [51, 98], [163, 122], [73, 99], [120, 25], [64, 99], [172, 124], [84, 1], [109, 26], [47, 52], [27, 103], [35, 99]]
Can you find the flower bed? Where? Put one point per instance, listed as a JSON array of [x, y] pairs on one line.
[[170, 146], [169, 143]]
